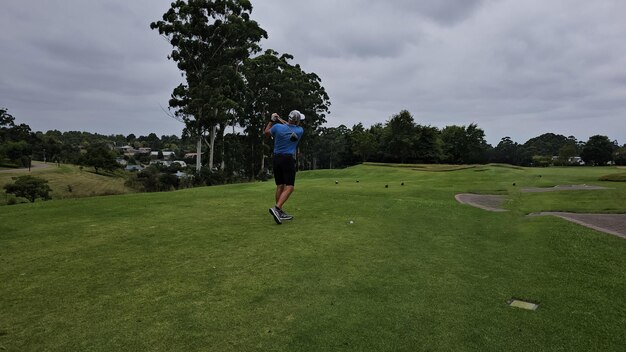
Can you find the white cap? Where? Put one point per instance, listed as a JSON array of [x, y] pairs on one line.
[[295, 115]]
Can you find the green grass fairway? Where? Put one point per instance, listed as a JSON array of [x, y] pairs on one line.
[[207, 269]]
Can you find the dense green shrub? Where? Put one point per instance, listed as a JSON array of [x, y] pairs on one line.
[[29, 187]]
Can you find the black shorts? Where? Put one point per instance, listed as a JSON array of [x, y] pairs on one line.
[[284, 169]]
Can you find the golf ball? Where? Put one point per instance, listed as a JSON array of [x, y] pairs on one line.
[[352, 222]]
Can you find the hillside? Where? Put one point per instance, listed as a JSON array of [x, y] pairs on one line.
[[69, 181]]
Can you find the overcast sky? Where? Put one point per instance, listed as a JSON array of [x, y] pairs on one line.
[[516, 68]]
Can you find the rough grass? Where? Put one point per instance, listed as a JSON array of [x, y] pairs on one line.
[[506, 166], [207, 269], [426, 167], [614, 177]]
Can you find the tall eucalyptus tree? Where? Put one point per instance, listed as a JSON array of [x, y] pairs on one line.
[[273, 84], [210, 40]]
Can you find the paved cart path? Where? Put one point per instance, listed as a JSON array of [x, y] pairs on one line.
[[34, 166], [483, 201]]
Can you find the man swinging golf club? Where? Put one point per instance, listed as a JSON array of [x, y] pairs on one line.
[[287, 135]]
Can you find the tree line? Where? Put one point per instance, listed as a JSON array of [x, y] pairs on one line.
[[398, 140], [401, 140], [19, 144]]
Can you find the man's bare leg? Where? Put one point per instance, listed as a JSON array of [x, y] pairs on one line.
[[287, 191], [279, 191]]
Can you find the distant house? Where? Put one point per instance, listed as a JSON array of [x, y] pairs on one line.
[[181, 174], [180, 162], [133, 168], [121, 161], [144, 150], [576, 160], [191, 155], [167, 155], [161, 162], [127, 150]]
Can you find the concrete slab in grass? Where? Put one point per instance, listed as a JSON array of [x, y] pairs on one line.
[[516, 303], [483, 201], [614, 224]]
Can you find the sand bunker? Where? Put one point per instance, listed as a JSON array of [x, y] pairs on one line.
[[614, 224], [561, 188], [483, 201]]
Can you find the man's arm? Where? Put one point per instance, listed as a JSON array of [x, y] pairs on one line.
[[268, 128], [269, 124]]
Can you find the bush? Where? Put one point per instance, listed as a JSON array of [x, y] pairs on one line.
[[620, 156], [541, 160], [156, 179], [134, 183], [11, 201], [168, 182], [149, 179], [186, 182], [210, 177], [263, 175], [29, 187]]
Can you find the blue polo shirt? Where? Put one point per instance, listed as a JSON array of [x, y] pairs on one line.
[[282, 134]]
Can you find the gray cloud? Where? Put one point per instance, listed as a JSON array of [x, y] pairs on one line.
[[76, 65], [512, 67], [517, 68], [444, 12]]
